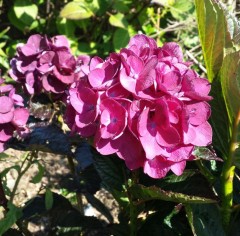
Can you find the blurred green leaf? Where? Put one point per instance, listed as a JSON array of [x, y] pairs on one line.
[[217, 39], [80, 9], [214, 35], [205, 219], [3, 33], [66, 27], [120, 6], [48, 199], [15, 21], [6, 170], [85, 48], [13, 214], [38, 177], [182, 9], [230, 81], [141, 193], [118, 20], [25, 11], [120, 39], [3, 155]]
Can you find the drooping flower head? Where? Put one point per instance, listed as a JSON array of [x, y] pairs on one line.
[[145, 104]]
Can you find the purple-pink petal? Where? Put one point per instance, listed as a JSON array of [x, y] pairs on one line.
[[20, 116], [6, 104]]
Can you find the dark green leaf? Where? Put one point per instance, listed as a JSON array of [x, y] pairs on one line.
[[96, 203], [66, 27], [166, 223], [48, 199], [120, 6], [205, 153], [120, 38], [191, 182], [37, 205], [111, 171], [6, 170], [83, 155], [11, 217], [204, 219], [38, 177], [154, 227], [15, 21], [49, 138], [234, 229], [13, 232], [119, 229], [141, 193], [219, 120], [63, 219], [89, 180]]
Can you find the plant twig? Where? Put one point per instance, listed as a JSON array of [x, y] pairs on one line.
[[190, 55]]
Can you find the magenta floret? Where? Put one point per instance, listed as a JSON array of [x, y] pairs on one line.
[[13, 116]]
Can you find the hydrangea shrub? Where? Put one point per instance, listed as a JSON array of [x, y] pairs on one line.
[[144, 103]]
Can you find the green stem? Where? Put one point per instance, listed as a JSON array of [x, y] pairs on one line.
[[133, 207], [133, 219], [227, 193], [227, 177], [23, 170], [78, 195]]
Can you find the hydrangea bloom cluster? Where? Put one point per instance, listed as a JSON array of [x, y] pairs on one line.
[[45, 64], [145, 104], [13, 116]]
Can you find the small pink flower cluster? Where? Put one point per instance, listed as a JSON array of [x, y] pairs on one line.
[[145, 104], [13, 117], [45, 64]]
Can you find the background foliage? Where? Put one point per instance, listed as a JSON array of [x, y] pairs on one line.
[[205, 199]]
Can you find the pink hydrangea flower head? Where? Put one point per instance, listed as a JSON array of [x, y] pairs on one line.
[[144, 104], [45, 64]]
